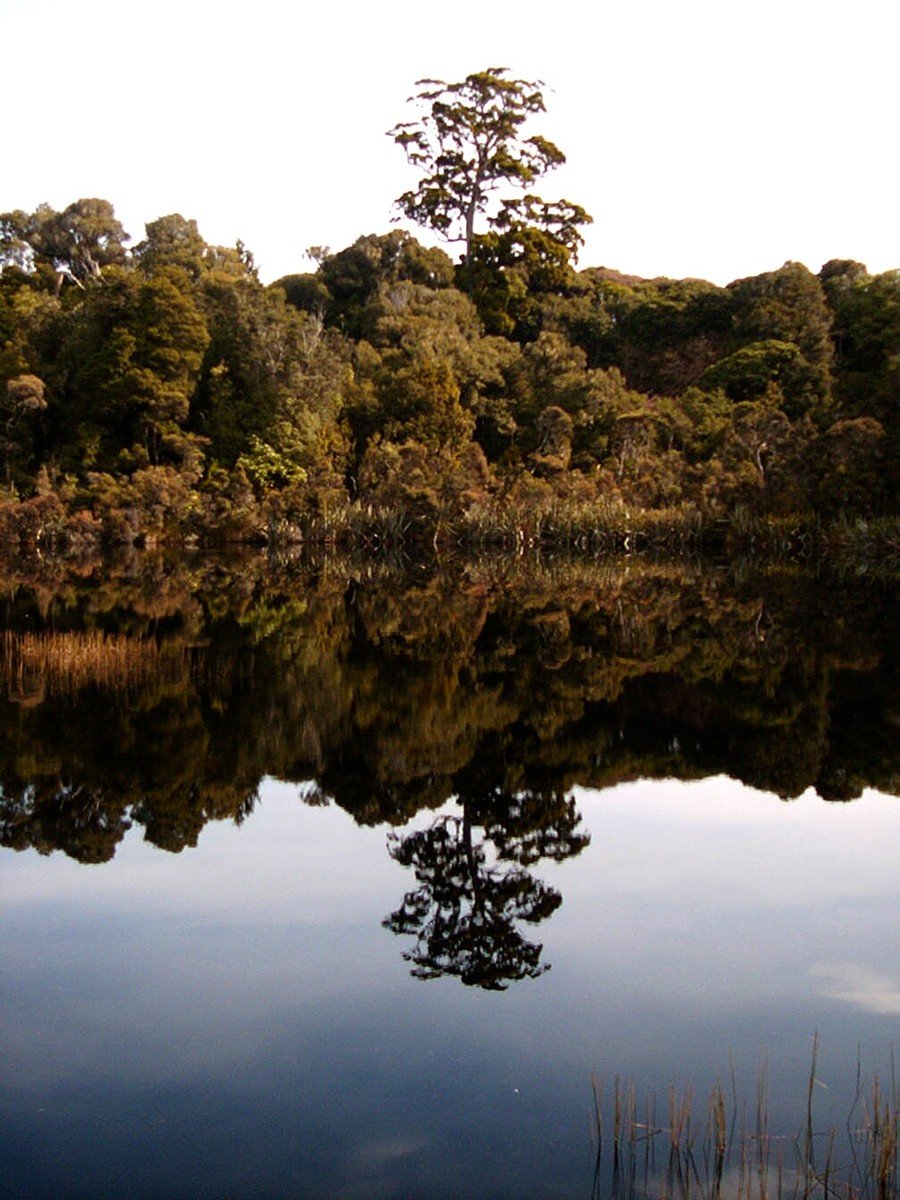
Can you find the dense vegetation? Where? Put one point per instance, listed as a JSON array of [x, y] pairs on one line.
[[161, 390]]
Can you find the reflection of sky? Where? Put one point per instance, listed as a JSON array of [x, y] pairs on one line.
[[235, 1018]]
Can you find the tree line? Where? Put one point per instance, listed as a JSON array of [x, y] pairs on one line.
[[161, 390]]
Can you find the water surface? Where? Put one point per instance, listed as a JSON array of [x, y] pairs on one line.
[[246, 822]]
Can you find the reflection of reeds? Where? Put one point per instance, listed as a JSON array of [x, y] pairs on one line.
[[33, 665], [738, 1158]]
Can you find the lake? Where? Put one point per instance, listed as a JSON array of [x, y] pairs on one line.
[[343, 879]]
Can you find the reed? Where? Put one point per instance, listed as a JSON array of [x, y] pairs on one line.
[[734, 1154], [579, 527]]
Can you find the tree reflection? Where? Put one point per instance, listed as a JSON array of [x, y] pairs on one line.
[[465, 911], [83, 822], [162, 696]]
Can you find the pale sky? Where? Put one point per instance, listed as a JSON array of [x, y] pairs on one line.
[[711, 138]]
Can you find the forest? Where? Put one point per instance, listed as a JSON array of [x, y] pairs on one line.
[[159, 391]]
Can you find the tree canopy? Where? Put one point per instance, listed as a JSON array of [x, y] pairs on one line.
[[76, 244]]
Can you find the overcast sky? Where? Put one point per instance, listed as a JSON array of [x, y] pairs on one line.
[[711, 138]]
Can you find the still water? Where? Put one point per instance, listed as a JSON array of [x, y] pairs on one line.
[[326, 886]]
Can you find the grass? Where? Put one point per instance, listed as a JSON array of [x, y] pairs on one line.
[[600, 528], [728, 1151]]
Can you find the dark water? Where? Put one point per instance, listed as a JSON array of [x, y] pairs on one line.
[[344, 882]]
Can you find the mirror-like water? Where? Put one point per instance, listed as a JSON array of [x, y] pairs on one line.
[[511, 859]]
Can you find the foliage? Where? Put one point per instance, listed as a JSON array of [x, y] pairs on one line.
[[132, 354], [749, 373], [513, 270], [172, 241], [789, 306]]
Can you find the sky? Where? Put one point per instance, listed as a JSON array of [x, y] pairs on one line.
[[708, 138]]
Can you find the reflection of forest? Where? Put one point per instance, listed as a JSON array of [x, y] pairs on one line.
[[162, 694]]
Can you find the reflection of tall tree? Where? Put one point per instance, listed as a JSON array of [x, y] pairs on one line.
[[464, 912], [528, 825]]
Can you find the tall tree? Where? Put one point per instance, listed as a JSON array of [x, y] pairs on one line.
[[468, 142]]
